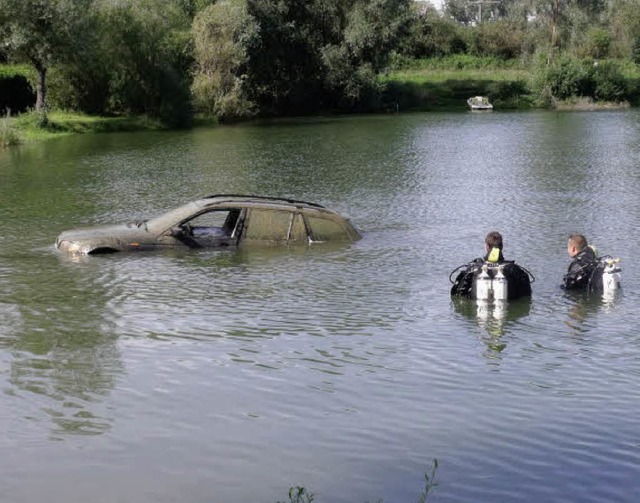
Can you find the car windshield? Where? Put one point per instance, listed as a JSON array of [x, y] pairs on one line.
[[173, 217]]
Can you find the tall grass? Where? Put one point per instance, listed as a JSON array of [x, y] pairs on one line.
[[8, 134]]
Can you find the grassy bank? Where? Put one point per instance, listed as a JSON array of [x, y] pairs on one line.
[[446, 83], [29, 126]]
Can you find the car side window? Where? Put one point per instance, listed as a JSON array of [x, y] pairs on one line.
[[268, 225], [323, 229], [223, 221]]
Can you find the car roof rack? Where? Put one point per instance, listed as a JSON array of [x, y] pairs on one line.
[[266, 198]]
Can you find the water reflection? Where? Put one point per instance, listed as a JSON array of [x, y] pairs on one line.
[[582, 308], [494, 318], [64, 363]]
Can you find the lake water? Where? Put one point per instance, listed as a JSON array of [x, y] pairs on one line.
[[230, 376]]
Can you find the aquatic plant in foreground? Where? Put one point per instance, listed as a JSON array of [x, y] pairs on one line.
[[299, 494]]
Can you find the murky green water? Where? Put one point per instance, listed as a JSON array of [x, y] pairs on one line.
[[230, 376]]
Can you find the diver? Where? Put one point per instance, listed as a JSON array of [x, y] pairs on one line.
[[492, 277], [588, 272]]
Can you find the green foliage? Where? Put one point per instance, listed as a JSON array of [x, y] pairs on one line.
[[222, 33], [461, 62], [502, 39], [8, 71], [635, 50], [137, 62], [510, 94], [432, 35], [565, 78], [43, 33], [41, 118], [609, 83], [598, 43], [284, 67], [322, 53], [239, 58], [569, 78]]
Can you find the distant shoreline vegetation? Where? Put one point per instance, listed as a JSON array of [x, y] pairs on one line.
[[163, 64], [440, 84]]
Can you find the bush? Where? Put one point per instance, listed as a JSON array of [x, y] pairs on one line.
[[569, 78], [565, 78], [510, 94], [608, 82], [598, 43]]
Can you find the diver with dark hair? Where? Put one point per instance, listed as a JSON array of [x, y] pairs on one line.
[[492, 277], [587, 272]]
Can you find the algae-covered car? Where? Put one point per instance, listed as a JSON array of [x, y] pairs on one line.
[[214, 222]]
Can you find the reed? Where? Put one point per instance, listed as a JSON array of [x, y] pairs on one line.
[[299, 494], [8, 134]]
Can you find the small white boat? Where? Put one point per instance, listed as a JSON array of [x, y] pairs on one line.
[[480, 103]]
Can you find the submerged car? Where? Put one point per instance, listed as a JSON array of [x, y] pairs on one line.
[[223, 220]]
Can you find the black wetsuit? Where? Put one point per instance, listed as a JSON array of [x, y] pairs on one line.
[[584, 272], [518, 281]]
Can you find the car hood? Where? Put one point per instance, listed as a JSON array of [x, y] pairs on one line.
[[86, 239]]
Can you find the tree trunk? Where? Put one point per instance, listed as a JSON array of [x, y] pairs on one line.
[[555, 15], [41, 86]]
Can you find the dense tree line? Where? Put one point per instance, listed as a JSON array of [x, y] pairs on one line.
[[239, 58]]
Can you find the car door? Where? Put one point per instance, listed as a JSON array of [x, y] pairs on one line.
[[215, 228], [274, 226]]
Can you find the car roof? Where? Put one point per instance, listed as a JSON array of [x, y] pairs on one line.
[[248, 198], [165, 220]]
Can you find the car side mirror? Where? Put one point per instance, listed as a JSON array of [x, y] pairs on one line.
[[177, 232]]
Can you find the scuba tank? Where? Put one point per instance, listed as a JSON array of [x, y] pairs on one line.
[[610, 275], [500, 284], [490, 281], [483, 290]]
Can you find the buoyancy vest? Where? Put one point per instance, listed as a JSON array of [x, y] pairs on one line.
[[583, 273]]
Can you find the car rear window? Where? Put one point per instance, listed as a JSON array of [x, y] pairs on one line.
[[323, 229]]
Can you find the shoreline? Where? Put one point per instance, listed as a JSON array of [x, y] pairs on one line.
[[18, 130]]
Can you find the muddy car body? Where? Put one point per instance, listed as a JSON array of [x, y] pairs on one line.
[[216, 221]]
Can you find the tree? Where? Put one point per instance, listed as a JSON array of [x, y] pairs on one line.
[[321, 53], [624, 22], [222, 32], [146, 49], [42, 33], [371, 31], [285, 70]]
